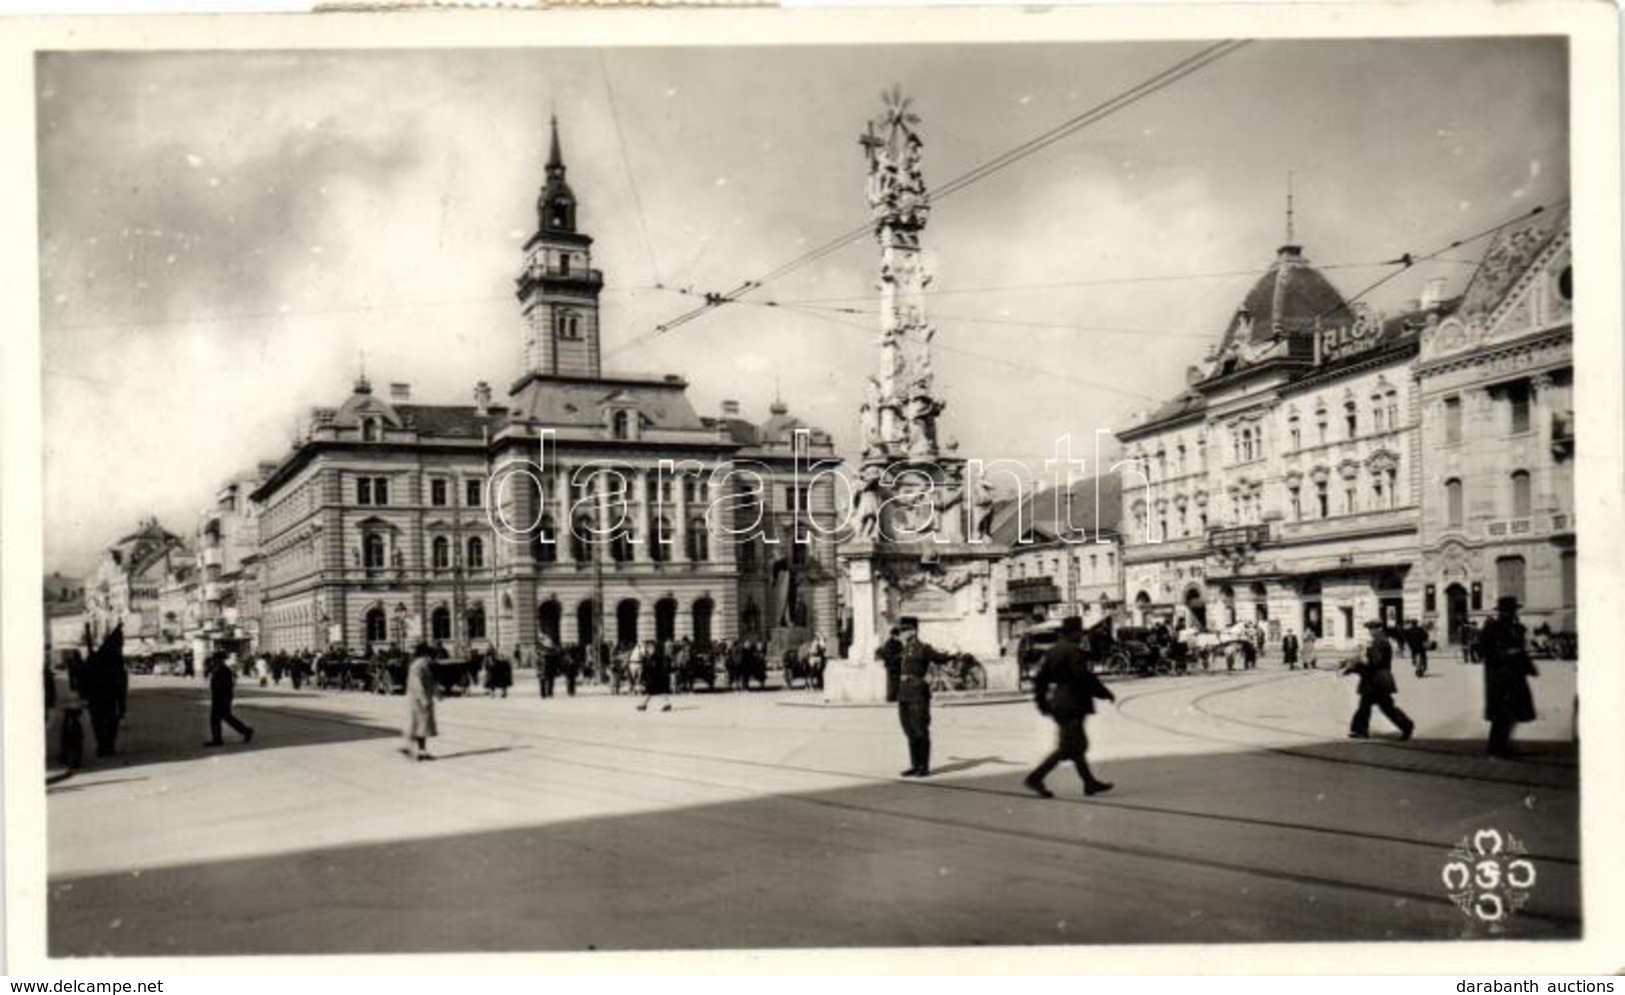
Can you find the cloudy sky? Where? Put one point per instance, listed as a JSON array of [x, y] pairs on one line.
[[223, 235]]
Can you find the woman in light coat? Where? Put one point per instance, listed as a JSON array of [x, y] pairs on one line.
[[420, 689], [1309, 640]]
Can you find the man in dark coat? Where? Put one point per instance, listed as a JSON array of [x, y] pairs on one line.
[[222, 683], [1416, 639], [1075, 688], [1507, 668], [105, 686], [1377, 687], [657, 677], [891, 656], [1289, 650], [914, 696]]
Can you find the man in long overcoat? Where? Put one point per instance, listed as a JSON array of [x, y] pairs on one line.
[[1377, 687], [222, 685], [914, 696], [1065, 689], [104, 687], [420, 690], [657, 677], [1289, 650], [1503, 648]]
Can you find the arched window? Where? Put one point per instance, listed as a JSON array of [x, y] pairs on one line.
[[1520, 494], [440, 553], [476, 622], [1294, 432], [369, 430], [440, 624], [702, 622], [1351, 418], [1509, 571], [620, 425], [1452, 503], [476, 553], [373, 551], [547, 620], [377, 625], [620, 546]]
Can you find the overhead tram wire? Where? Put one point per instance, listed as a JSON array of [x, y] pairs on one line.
[[1405, 262], [983, 357], [1154, 84]]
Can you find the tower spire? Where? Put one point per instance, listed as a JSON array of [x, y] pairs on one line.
[[1290, 235], [555, 159]]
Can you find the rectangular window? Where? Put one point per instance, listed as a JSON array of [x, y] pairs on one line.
[[1323, 499], [1453, 503], [1518, 400], [1568, 591], [1509, 576], [1296, 501], [380, 490], [1452, 419], [472, 492], [363, 491], [1349, 500], [1520, 495], [437, 493]]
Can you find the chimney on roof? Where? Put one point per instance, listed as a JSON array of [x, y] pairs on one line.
[[1432, 293], [482, 398], [400, 392], [730, 409]]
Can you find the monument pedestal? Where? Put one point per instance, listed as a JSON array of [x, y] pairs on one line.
[[946, 586]]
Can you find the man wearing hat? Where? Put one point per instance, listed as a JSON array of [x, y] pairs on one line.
[[914, 696], [1507, 669], [1066, 669], [1377, 687]]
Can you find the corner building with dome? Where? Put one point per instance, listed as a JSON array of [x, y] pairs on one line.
[[376, 529], [1284, 485]]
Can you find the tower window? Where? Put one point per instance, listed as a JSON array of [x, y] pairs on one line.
[[567, 325], [564, 264]]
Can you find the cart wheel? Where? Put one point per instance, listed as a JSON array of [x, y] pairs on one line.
[[1118, 662]]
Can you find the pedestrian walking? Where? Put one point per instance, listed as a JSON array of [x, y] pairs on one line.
[[71, 704], [1065, 689], [1311, 660], [501, 674], [1289, 650], [222, 687], [547, 664], [914, 696], [420, 692], [657, 677], [572, 671], [1377, 687], [1504, 650], [1417, 640]]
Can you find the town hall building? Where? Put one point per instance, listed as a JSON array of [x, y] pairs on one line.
[[592, 506]]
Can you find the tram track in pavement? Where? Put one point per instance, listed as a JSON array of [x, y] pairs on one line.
[[1197, 705], [512, 738]]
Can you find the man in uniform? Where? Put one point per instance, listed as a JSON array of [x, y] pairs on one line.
[[1507, 669], [1377, 687], [891, 656], [1066, 669], [914, 696]]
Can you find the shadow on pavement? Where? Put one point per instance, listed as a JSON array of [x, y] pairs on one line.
[[168, 723], [1234, 847]]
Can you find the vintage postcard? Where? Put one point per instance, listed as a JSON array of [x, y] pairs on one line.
[[941, 490]]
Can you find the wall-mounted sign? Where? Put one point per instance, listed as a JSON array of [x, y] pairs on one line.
[[1364, 334]]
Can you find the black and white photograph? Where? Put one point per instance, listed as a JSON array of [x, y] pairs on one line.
[[593, 493]]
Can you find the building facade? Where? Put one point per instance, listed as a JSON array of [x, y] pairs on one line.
[[126, 586], [64, 601], [1065, 556], [588, 506], [1284, 485], [225, 613], [1497, 392]]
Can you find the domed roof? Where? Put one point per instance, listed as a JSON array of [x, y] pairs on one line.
[[1286, 301]]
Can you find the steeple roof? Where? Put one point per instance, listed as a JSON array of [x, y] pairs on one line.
[[556, 207]]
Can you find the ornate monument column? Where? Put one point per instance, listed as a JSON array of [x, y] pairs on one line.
[[920, 547]]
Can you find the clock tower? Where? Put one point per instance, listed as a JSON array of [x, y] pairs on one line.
[[558, 288]]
